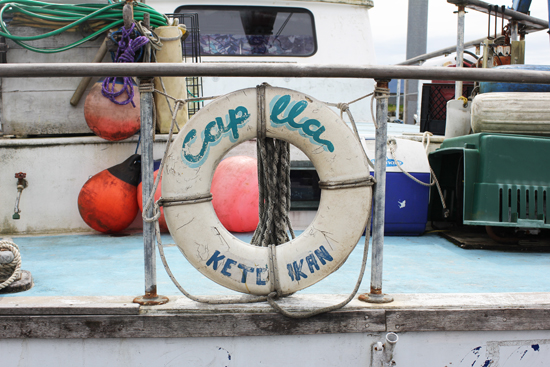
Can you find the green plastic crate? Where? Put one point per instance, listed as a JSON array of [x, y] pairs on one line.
[[493, 179]]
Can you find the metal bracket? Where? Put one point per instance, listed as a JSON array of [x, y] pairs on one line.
[[149, 300], [22, 184], [382, 353]]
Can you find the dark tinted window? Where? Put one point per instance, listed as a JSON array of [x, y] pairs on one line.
[[254, 31]]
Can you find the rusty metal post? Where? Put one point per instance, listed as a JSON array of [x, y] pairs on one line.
[[146, 135], [379, 208]]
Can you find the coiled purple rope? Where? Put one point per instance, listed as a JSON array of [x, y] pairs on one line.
[[126, 52]]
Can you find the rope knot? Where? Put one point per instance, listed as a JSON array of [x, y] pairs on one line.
[[342, 106]]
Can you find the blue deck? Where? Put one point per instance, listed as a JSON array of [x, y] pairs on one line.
[[96, 265]]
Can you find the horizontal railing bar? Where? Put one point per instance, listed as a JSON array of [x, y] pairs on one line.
[[441, 52], [509, 14], [272, 70]]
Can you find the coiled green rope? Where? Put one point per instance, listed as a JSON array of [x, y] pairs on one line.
[[72, 15]]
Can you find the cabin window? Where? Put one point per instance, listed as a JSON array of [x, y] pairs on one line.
[[254, 31]]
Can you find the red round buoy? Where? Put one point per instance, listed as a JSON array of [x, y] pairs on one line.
[[107, 201], [235, 193], [109, 120], [162, 221]]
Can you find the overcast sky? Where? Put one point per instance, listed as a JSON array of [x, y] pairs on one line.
[[389, 27]]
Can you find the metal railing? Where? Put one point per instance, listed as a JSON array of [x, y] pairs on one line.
[[382, 75], [280, 70]]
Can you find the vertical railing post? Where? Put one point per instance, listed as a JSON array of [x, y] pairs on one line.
[[514, 30], [381, 91], [459, 48], [398, 99], [147, 168]]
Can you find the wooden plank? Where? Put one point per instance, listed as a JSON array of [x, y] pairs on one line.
[[469, 319], [188, 325], [106, 305]]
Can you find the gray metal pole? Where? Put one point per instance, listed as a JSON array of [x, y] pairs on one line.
[[147, 170], [441, 52], [459, 48], [379, 208], [283, 70], [398, 99], [417, 41]]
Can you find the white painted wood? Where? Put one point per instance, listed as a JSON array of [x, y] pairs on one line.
[[432, 349], [56, 169]]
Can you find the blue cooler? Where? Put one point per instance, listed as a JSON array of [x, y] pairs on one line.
[[406, 200]]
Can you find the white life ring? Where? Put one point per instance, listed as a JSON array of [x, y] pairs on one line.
[[302, 121]]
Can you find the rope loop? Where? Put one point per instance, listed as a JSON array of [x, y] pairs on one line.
[[146, 87], [10, 272], [347, 184], [381, 93], [184, 200], [156, 214], [273, 272]]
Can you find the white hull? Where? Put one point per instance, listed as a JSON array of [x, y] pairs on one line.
[[470, 331]]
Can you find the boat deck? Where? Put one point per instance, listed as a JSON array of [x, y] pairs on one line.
[[102, 265]]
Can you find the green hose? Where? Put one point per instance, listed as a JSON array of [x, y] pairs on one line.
[[74, 15]]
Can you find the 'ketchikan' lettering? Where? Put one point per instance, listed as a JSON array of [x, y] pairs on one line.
[[297, 270], [212, 135], [226, 265], [285, 112]]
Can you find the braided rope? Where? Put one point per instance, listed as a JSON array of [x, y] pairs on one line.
[[10, 272], [273, 184], [126, 52]]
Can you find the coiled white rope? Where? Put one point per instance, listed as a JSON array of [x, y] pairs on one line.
[[10, 272]]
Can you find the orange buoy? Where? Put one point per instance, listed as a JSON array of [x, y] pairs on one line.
[[109, 120], [162, 221], [107, 201], [235, 193]]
